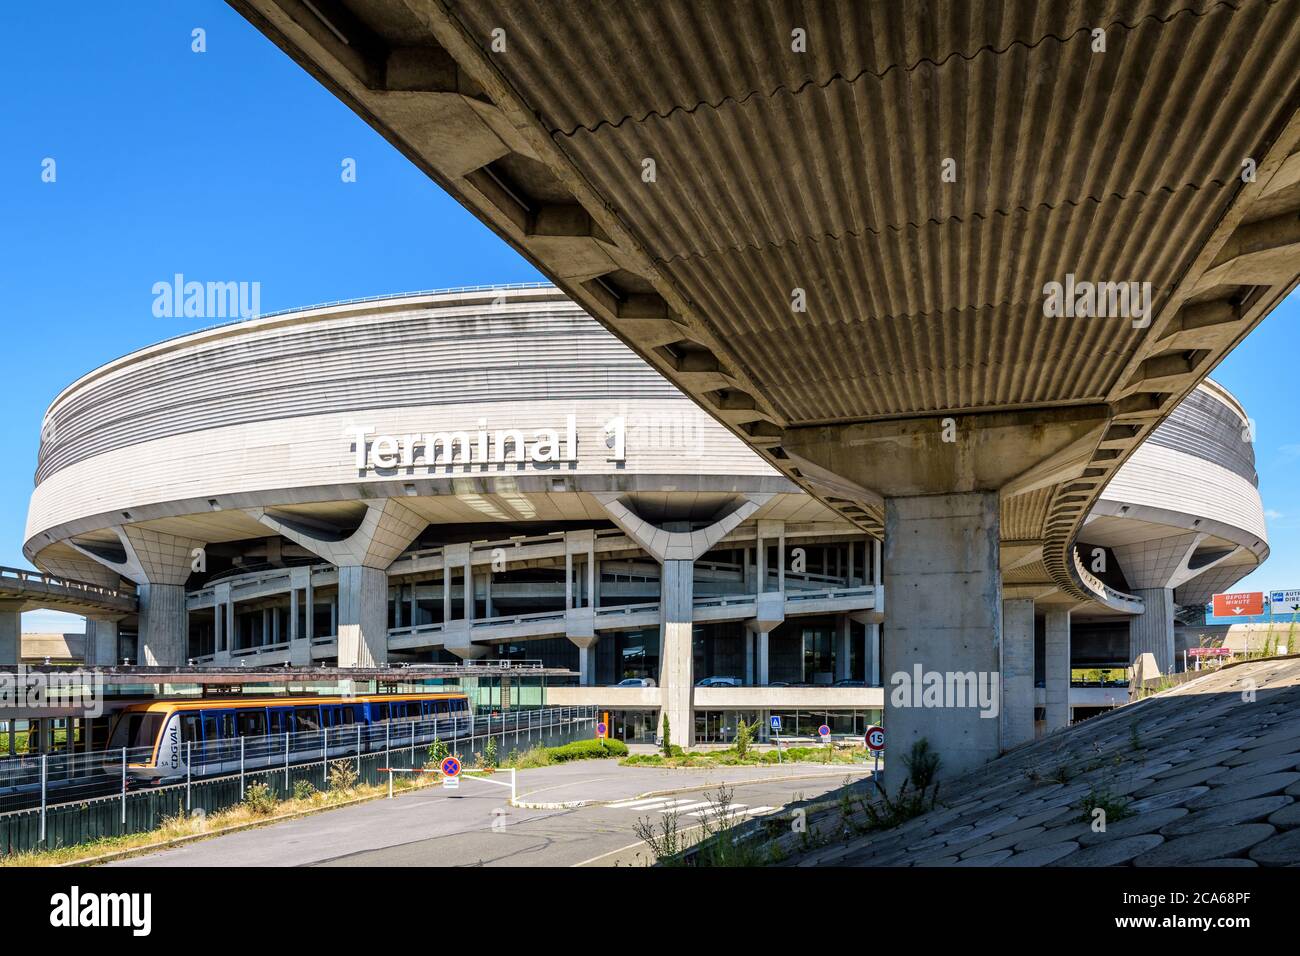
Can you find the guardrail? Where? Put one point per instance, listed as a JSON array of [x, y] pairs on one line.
[[49, 580], [56, 800]]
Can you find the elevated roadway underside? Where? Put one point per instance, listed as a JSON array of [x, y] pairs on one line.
[[837, 227]]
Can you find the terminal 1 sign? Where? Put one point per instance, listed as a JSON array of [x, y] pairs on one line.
[[481, 446]]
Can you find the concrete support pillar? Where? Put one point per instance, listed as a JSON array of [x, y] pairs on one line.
[[1152, 631], [1056, 668], [11, 633], [941, 574], [363, 617], [843, 647], [101, 642], [1017, 672], [677, 660], [749, 659], [871, 655], [761, 657], [587, 658], [164, 624]]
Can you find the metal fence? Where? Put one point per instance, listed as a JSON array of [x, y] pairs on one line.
[[69, 799]]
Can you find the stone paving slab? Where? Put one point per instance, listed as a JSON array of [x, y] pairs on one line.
[[1205, 775]]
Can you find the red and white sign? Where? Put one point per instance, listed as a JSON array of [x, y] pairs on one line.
[[875, 739], [1238, 603]]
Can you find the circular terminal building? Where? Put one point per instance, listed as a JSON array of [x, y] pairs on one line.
[[490, 474]]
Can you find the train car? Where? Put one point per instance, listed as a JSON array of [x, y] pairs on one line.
[[166, 741]]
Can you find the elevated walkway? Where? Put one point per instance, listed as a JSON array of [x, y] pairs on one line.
[[22, 590]]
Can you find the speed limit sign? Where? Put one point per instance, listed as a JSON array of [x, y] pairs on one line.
[[875, 739]]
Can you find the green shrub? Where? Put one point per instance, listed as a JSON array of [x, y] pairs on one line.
[[343, 777], [488, 759], [438, 752], [667, 747], [587, 750], [259, 799], [744, 736], [303, 790]]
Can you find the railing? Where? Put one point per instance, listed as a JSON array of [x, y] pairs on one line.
[[98, 793], [622, 610], [725, 600], [49, 580], [823, 594], [536, 616]]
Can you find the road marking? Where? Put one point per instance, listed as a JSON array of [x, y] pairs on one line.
[[644, 801]]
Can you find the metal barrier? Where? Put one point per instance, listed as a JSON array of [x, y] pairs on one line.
[[101, 802]]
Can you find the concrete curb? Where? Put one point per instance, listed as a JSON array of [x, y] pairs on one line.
[[650, 794]]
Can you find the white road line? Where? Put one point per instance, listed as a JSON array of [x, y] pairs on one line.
[[691, 806], [761, 811], [644, 801], [736, 809]]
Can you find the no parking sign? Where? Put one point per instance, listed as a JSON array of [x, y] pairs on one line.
[[450, 768]]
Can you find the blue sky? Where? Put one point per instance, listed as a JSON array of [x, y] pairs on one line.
[[225, 165]]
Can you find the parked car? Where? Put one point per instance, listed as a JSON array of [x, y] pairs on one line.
[[720, 682], [636, 682]]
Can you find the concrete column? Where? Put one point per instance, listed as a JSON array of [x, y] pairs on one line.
[[363, 617], [1056, 667], [11, 633], [871, 655], [761, 655], [1017, 671], [677, 661], [1153, 629], [164, 624], [843, 647], [749, 659], [941, 574], [101, 641], [587, 663]]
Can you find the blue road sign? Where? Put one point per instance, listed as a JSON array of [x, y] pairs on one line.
[[824, 730], [776, 722], [450, 766]]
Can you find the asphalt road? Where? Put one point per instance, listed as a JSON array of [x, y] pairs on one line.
[[475, 826]]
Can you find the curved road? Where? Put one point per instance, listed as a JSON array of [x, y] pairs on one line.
[[475, 826]]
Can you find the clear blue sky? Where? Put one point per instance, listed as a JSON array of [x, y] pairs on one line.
[[225, 165]]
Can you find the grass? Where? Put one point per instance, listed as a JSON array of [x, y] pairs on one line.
[[577, 750], [694, 759], [261, 808]]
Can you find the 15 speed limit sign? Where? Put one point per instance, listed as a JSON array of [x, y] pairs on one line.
[[875, 739]]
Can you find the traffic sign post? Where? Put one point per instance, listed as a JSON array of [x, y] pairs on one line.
[[450, 768], [775, 720], [602, 730], [875, 740]]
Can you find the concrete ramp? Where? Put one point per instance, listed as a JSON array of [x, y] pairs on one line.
[[1205, 774]]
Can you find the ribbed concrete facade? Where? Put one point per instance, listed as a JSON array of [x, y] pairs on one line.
[[218, 478]]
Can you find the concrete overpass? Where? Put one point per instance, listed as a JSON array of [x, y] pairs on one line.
[[847, 232], [22, 590]]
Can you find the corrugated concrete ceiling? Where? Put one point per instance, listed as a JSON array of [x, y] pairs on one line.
[[913, 175]]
